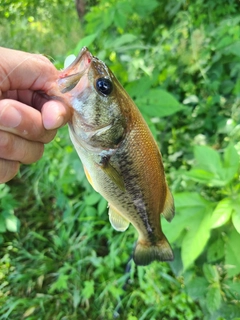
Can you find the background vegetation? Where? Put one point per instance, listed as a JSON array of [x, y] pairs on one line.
[[60, 259]]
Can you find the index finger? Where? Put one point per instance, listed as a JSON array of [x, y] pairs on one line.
[[22, 70]]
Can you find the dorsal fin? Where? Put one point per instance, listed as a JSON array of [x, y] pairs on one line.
[[168, 210]]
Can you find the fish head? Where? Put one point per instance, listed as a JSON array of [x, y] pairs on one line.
[[98, 101]]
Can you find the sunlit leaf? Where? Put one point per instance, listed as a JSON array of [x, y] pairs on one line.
[[208, 159], [236, 220], [85, 42], [195, 239], [12, 223], [159, 103], [88, 289], [222, 213], [232, 257]]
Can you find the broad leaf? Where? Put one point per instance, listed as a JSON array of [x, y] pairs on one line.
[[236, 220], [231, 162], [208, 159], [215, 250], [12, 222], [2, 224], [213, 298], [197, 288], [85, 42], [222, 213], [189, 207], [88, 289], [210, 273], [232, 256], [158, 103], [196, 238]]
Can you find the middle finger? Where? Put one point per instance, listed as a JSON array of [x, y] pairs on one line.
[[23, 121]]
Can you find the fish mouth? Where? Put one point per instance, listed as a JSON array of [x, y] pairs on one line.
[[70, 77]]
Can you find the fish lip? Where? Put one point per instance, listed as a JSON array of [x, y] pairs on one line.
[[69, 77], [82, 60]]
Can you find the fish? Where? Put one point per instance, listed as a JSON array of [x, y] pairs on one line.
[[120, 157]]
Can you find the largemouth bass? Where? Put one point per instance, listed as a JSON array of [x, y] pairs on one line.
[[120, 157]]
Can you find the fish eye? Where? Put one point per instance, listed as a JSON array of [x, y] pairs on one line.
[[104, 86]]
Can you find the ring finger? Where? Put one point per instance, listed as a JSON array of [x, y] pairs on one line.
[[15, 148]]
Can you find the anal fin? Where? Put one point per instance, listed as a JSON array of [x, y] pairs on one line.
[[116, 219], [168, 210]]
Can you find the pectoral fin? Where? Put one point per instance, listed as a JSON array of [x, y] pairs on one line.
[[117, 221], [114, 175], [168, 210], [88, 177]]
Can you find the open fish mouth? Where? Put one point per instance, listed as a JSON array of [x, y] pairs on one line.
[[69, 78]]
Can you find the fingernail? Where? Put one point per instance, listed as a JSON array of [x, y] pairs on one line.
[[10, 117]]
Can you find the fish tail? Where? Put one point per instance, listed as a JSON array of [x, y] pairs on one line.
[[145, 252]]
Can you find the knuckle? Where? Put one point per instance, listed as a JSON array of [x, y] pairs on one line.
[[8, 170], [49, 136], [6, 143], [31, 152]]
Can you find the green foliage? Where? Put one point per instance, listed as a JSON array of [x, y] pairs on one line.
[[180, 62]]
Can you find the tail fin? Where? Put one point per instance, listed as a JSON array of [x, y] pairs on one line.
[[145, 252]]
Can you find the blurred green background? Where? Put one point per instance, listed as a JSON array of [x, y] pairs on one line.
[[60, 258]]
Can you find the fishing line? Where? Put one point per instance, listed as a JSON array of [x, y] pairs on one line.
[[9, 73], [119, 308]]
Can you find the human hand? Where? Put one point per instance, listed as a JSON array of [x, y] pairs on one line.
[[28, 119]]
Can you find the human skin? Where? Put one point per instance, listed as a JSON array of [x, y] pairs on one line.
[[28, 118]]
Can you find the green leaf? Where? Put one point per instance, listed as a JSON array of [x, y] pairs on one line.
[[233, 286], [190, 206], [93, 198], [234, 49], [210, 169], [85, 42], [207, 158], [213, 298], [123, 39], [174, 229], [222, 213], [196, 239], [76, 297], [232, 256], [138, 87], [197, 288], [158, 103], [191, 200], [215, 251], [2, 224], [210, 273], [60, 284], [12, 222], [88, 289], [236, 220], [231, 162], [200, 175]]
